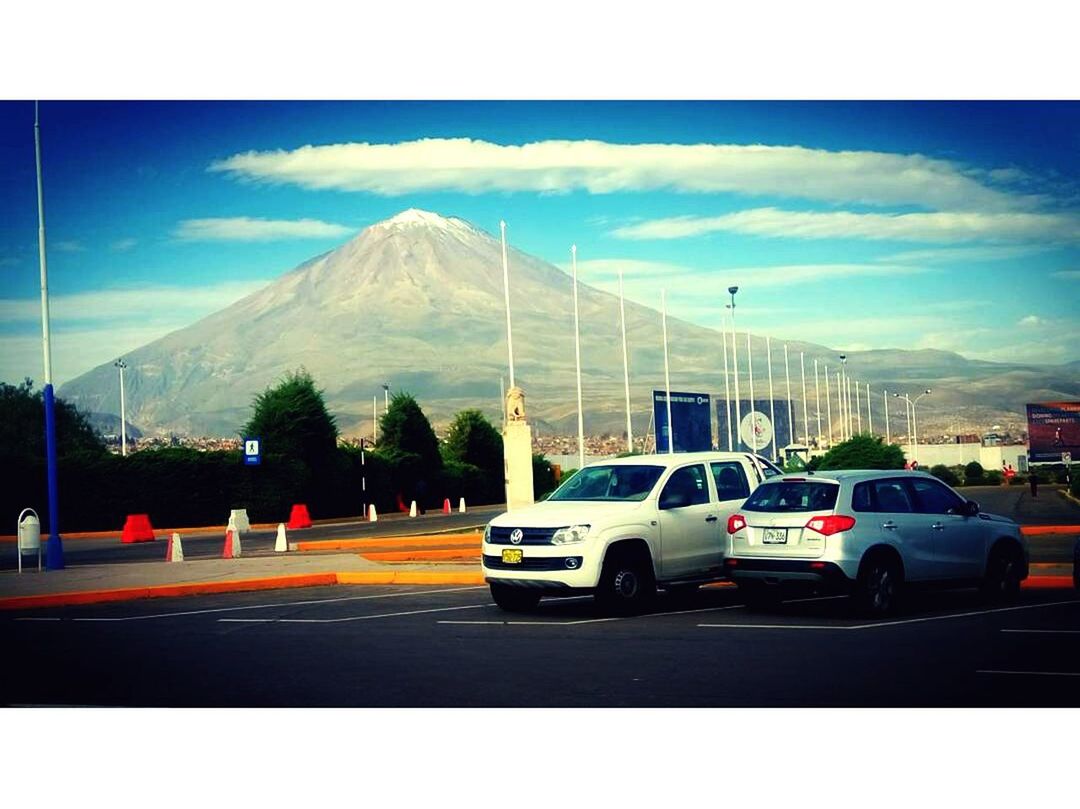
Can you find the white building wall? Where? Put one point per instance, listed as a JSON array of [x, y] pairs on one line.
[[962, 454]]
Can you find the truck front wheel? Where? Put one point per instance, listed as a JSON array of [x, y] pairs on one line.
[[626, 582]]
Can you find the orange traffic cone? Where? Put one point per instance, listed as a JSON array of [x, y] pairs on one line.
[[227, 551], [446, 506]]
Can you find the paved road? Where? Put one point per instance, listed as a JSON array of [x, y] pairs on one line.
[[366, 646], [1016, 503], [255, 543]]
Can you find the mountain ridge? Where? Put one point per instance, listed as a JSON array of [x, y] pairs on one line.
[[417, 300]]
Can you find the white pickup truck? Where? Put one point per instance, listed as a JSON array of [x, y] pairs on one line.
[[621, 528]]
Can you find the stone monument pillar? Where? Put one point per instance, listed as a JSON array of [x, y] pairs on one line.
[[517, 452]]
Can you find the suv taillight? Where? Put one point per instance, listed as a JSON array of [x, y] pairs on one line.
[[736, 522], [832, 524]]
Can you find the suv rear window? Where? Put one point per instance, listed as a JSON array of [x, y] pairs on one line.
[[793, 495]]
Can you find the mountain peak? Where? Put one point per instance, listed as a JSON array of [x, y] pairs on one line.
[[414, 217]]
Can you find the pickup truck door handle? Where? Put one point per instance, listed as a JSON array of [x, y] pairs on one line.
[[711, 518], [889, 525], [938, 526]]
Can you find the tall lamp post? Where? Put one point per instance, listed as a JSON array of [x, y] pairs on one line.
[[914, 420], [735, 370], [845, 414], [54, 548], [123, 410], [386, 396]]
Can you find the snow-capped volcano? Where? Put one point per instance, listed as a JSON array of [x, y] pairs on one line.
[[417, 300]]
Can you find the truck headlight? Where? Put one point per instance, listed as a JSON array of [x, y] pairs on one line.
[[487, 533], [574, 533]]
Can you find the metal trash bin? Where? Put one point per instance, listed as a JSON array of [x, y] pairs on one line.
[[29, 535]]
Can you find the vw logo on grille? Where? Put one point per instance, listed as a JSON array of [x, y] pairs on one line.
[[516, 536]]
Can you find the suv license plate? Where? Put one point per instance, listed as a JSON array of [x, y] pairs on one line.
[[775, 536], [512, 556]]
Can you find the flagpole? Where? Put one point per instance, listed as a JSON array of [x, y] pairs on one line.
[[828, 406], [735, 369], [506, 294], [858, 407], [626, 367], [885, 398], [840, 403], [54, 548], [805, 419], [817, 402], [577, 360], [772, 402], [790, 416], [667, 374], [869, 413], [753, 404], [727, 384]]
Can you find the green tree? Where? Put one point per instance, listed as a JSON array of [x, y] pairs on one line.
[[22, 425], [973, 473], [543, 476], [945, 474], [863, 452], [405, 430], [292, 421], [474, 440]]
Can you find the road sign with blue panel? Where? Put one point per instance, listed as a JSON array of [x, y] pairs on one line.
[[252, 451], [692, 419]]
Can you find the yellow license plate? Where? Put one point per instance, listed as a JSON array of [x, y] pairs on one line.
[[512, 556]]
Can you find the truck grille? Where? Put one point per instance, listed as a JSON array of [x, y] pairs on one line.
[[532, 536]]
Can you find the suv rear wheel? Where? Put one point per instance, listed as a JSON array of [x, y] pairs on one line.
[[1002, 580], [514, 599], [626, 582], [877, 588]]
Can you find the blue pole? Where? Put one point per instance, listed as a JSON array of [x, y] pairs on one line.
[[54, 548]]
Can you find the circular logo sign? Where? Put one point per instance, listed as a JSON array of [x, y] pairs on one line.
[[516, 536], [755, 430]]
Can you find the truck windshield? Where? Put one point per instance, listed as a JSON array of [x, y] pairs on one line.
[[608, 483], [792, 495]]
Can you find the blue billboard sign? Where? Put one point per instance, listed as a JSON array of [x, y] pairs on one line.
[[690, 413]]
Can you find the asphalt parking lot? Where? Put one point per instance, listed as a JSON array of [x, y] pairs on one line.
[[451, 646]]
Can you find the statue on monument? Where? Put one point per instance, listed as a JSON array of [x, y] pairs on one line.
[[515, 404]]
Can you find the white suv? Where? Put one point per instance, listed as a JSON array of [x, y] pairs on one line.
[[869, 533], [620, 528]]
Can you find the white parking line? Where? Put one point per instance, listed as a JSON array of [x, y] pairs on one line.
[[1032, 673], [880, 624], [350, 618], [1045, 631], [38, 619], [591, 620], [268, 606]]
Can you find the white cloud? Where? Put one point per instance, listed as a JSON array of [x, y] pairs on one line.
[[69, 246], [946, 227], [90, 328], [552, 166], [248, 229], [605, 271], [123, 245], [170, 304], [1031, 320], [948, 255]]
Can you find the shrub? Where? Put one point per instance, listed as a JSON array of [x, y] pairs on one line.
[[973, 473], [992, 478], [945, 474], [543, 476], [863, 452]]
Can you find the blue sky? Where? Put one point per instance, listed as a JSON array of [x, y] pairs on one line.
[[856, 225]]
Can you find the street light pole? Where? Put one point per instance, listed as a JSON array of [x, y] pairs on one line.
[[386, 396], [727, 384], [845, 415], [54, 548], [123, 411], [735, 368], [885, 399], [915, 422], [772, 402], [506, 295], [828, 406]]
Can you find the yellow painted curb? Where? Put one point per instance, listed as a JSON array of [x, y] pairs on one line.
[[411, 577], [417, 540]]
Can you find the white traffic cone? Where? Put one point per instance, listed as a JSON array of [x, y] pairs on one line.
[[236, 544], [373, 515], [282, 544], [461, 506], [175, 551], [412, 509]]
